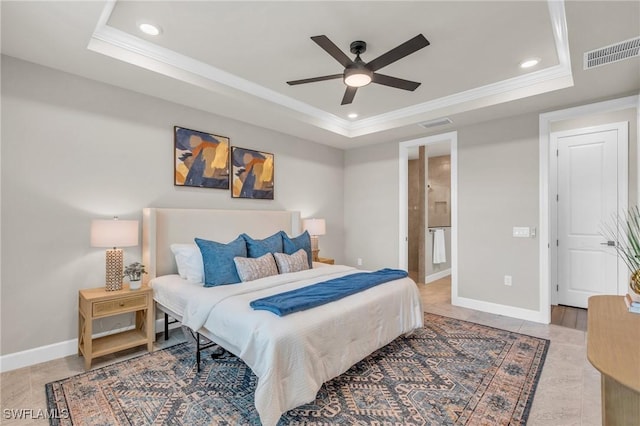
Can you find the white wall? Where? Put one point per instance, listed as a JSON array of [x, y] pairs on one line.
[[74, 150]]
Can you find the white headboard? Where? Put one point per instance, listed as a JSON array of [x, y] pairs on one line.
[[163, 227]]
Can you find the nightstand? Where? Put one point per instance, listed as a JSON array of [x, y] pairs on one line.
[[326, 260], [98, 303]]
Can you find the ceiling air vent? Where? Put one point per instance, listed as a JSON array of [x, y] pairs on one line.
[[435, 123], [612, 53]]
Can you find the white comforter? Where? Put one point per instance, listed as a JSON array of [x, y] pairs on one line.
[[292, 356]]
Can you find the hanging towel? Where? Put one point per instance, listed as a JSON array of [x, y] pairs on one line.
[[439, 253]]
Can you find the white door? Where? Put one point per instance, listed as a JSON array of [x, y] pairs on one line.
[[590, 164]]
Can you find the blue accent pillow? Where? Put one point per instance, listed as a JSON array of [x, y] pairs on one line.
[[219, 267], [258, 248], [302, 241]]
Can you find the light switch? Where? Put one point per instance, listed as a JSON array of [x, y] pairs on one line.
[[521, 232]]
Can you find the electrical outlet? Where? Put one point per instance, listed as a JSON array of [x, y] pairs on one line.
[[507, 280], [359, 262]]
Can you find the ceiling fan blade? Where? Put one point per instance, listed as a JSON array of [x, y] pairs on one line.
[[399, 52], [314, 79], [398, 83], [333, 50], [349, 94]]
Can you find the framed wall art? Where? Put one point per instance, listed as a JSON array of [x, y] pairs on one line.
[[252, 173], [201, 159]]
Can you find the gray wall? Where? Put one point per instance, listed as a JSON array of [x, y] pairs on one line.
[[371, 206], [74, 150], [497, 190], [498, 168]]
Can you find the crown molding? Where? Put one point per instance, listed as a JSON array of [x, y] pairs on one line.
[[137, 51]]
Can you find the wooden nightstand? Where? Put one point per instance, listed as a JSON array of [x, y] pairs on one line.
[[326, 260], [97, 303]]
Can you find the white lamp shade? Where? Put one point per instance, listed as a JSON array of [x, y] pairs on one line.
[[314, 226], [114, 233]]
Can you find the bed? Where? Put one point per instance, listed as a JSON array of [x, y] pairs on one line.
[[292, 356]]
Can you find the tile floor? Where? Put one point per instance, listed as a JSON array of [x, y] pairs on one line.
[[568, 392]]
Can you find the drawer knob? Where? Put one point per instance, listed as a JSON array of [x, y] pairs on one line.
[[121, 304]]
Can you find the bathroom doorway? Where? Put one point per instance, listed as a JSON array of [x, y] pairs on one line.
[[427, 210]]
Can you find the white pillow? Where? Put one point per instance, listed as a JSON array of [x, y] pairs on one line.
[[189, 261]]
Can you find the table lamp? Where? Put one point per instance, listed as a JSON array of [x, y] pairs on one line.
[[314, 227], [114, 234]]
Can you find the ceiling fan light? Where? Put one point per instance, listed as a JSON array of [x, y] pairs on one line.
[[357, 77]]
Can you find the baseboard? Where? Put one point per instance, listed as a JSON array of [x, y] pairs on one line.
[[58, 350], [495, 308], [437, 276], [37, 355]]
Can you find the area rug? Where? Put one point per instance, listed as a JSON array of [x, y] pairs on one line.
[[450, 372]]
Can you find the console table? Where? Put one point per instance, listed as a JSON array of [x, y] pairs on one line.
[[613, 348]]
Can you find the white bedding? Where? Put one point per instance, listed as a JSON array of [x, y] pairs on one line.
[[292, 356]]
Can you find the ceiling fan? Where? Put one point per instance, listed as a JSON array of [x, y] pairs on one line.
[[358, 73]]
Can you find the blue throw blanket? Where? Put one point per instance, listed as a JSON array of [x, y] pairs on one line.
[[325, 292]]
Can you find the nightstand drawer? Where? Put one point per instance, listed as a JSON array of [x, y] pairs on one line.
[[109, 307]]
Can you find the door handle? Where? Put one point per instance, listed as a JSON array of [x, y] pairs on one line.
[[609, 243]]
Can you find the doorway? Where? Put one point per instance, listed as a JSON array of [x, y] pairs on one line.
[[615, 110], [434, 144], [589, 178]]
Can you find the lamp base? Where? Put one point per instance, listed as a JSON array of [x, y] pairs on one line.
[[113, 272], [314, 248]]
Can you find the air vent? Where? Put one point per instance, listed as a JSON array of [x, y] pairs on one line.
[[435, 123], [612, 53]]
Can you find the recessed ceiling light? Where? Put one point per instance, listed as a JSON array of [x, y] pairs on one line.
[[353, 115], [149, 29], [528, 63]]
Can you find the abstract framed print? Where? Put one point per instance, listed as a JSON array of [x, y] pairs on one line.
[[252, 174], [201, 159]]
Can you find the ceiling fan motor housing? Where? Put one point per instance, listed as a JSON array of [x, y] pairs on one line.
[[358, 47]]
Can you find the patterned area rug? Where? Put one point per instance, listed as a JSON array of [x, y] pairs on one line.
[[450, 372]]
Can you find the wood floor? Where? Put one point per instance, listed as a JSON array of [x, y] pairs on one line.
[[567, 316]]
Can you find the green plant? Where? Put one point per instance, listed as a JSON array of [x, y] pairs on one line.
[[134, 271], [625, 232]]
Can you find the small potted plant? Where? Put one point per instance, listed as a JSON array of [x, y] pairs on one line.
[[134, 272]]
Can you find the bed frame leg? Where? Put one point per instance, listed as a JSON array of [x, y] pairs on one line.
[[166, 326], [198, 351]]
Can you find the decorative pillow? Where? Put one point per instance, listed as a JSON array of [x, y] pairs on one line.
[[251, 269], [292, 245], [257, 248], [292, 262], [219, 268], [189, 261]]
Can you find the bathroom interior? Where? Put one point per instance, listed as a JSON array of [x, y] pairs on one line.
[[429, 212]]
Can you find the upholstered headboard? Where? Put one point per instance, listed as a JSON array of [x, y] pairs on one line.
[[163, 227]]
